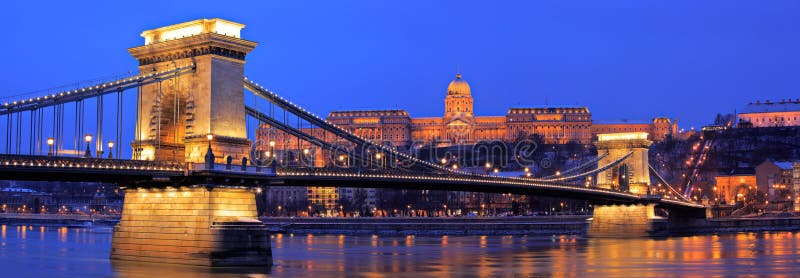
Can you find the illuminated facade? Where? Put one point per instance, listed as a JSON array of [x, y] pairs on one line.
[[323, 200], [175, 115], [736, 187], [460, 126], [771, 114], [657, 130]]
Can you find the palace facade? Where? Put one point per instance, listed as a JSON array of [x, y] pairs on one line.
[[460, 126]]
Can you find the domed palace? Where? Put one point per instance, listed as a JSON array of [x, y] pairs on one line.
[[460, 126]]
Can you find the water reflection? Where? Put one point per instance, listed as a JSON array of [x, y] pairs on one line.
[[68, 252]]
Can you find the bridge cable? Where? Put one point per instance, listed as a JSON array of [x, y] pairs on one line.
[[667, 185], [579, 167], [358, 140]]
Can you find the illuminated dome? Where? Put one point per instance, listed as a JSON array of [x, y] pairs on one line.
[[458, 87]]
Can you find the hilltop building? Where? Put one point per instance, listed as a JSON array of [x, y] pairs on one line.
[[460, 126], [770, 114]]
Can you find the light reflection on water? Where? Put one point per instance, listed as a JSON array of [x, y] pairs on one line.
[[37, 251]]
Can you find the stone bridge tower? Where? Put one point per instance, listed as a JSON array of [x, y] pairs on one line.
[[176, 114], [631, 175]]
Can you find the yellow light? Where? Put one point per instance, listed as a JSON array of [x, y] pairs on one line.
[[88, 138], [621, 136], [305, 151], [110, 144], [210, 137], [192, 28], [378, 156], [50, 141]]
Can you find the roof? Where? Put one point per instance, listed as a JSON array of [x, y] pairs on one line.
[[785, 165], [368, 113], [458, 87], [768, 106], [621, 121], [737, 172], [549, 110]]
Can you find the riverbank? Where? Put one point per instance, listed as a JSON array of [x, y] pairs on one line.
[[538, 225], [527, 225], [533, 225], [736, 225], [57, 220]]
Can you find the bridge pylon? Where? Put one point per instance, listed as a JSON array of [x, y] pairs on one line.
[[633, 173], [177, 113]]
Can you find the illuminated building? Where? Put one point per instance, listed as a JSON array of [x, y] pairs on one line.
[[323, 201], [735, 187], [771, 114], [658, 129], [459, 125], [781, 179]]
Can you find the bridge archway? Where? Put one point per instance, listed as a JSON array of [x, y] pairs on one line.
[[632, 174]]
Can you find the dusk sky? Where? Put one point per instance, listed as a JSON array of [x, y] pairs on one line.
[[623, 59]]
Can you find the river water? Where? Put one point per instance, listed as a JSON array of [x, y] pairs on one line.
[[34, 251]]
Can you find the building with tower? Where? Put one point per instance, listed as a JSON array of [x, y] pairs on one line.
[[459, 125]]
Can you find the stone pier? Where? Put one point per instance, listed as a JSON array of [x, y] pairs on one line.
[[636, 220], [191, 225]]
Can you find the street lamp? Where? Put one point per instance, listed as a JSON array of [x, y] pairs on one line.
[[88, 139], [272, 150], [50, 142], [209, 158], [110, 147]]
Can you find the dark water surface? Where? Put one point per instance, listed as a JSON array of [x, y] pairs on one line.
[[33, 251]]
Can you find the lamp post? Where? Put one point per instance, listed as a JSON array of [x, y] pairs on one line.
[[379, 157], [305, 157], [110, 147], [88, 139], [487, 166], [272, 151], [50, 143], [209, 159]]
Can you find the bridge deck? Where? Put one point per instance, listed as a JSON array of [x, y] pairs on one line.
[[162, 173]]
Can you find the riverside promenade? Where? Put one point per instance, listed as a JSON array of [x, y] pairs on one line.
[[528, 225]]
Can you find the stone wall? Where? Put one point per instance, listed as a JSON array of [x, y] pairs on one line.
[[626, 221], [195, 226]]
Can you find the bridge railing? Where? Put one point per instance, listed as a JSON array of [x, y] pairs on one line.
[[231, 168], [96, 163]]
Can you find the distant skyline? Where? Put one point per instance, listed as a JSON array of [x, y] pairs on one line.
[[623, 59]]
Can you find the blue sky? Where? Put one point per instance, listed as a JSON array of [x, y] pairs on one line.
[[622, 59]]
